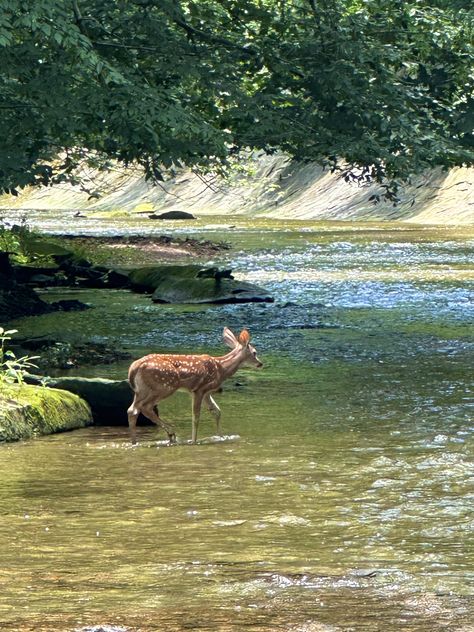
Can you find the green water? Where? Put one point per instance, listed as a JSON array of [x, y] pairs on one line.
[[341, 496]]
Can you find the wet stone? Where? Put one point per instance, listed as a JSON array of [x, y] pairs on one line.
[[193, 284], [172, 215]]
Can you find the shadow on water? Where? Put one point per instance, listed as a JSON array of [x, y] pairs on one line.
[[340, 497]]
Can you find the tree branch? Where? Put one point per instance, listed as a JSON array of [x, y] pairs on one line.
[[217, 39], [77, 12]]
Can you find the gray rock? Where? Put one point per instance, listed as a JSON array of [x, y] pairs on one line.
[[192, 284], [172, 215], [208, 291]]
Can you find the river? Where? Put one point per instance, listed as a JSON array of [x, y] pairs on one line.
[[340, 497]]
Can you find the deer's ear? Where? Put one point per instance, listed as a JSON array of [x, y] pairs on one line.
[[244, 337], [229, 338]]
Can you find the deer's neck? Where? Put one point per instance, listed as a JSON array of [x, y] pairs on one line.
[[230, 362]]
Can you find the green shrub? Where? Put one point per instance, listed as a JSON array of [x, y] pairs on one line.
[[27, 247], [12, 369]]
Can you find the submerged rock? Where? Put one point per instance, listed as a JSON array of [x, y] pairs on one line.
[[193, 284], [63, 354], [70, 305], [27, 411]]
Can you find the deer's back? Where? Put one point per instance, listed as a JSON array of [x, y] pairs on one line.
[[180, 371]]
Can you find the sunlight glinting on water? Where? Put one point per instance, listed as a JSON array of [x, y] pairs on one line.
[[340, 497]]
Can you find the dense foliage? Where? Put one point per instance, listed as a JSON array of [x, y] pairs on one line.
[[387, 87]]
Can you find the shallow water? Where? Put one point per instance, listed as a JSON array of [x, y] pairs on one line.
[[341, 496]]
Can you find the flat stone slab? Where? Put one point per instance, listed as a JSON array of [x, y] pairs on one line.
[[192, 284]]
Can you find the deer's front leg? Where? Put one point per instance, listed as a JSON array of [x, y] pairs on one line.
[[215, 410], [197, 401]]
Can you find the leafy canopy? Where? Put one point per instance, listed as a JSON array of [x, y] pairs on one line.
[[386, 87]]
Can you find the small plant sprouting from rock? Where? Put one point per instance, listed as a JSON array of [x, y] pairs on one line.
[[12, 369]]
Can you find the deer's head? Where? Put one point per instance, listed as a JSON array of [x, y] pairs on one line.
[[248, 351]]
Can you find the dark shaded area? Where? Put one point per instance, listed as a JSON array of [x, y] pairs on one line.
[[16, 299]]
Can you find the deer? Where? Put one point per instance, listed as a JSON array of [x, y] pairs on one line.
[[157, 376]]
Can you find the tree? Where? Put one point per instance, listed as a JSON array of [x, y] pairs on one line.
[[387, 88]]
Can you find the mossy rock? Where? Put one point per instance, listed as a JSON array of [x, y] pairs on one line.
[[193, 284], [28, 411], [149, 278], [108, 399]]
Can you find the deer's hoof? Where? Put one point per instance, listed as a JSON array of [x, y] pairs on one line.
[[172, 438]]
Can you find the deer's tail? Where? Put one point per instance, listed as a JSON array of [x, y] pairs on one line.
[[132, 372]]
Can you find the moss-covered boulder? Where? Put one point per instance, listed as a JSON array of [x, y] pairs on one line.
[[27, 411], [195, 284], [108, 399]]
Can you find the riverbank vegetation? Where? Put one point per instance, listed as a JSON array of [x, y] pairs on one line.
[[27, 411]]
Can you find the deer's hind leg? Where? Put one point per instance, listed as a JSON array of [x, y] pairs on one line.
[[133, 413], [150, 410]]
